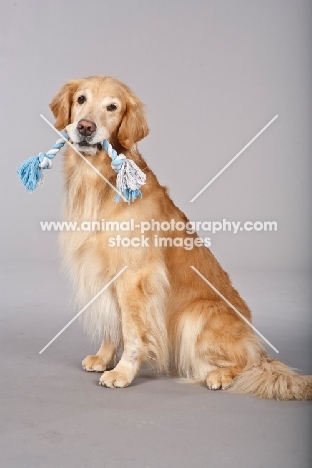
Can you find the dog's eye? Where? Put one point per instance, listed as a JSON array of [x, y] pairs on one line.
[[111, 107], [81, 99]]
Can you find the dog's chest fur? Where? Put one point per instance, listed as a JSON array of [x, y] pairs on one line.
[[85, 257]]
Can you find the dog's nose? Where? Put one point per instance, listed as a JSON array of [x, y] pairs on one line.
[[86, 127]]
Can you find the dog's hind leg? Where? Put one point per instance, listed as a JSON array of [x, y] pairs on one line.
[[215, 344], [229, 344], [104, 358]]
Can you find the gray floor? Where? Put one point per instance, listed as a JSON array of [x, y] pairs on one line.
[[55, 415]]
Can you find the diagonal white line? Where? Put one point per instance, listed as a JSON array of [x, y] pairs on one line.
[[85, 307], [234, 308], [232, 160], [82, 156]]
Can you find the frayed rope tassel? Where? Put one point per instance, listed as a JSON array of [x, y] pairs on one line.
[[30, 171], [130, 178]]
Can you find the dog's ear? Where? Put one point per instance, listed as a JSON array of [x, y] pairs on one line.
[[134, 125], [61, 103]]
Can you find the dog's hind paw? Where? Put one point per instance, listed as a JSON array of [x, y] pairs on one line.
[[221, 378], [218, 380]]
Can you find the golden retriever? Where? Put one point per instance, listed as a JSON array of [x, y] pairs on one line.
[[158, 309]]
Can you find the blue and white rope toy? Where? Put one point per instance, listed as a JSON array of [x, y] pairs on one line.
[[130, 178]]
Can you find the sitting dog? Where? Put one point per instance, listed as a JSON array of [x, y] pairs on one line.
[[158, 309]]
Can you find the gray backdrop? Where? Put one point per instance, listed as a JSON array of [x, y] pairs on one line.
[[212, 74]]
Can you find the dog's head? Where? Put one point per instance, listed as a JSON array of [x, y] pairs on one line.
[[98, 108]]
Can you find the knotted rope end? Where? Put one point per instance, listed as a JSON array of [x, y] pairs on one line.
[[30, 173]]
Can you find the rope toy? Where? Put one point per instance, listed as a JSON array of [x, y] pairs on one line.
[[130, 178]]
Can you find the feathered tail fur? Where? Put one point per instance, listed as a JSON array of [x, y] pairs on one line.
[[273, 379]]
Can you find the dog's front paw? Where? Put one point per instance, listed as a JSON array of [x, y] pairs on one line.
[[93, 364], [115, 378]]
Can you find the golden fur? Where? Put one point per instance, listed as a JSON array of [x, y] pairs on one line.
[[158, 309]]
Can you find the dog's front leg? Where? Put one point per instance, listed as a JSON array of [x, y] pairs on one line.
[[130, 361], [132, 303]]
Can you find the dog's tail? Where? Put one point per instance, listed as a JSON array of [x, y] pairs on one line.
[[273, 379]]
